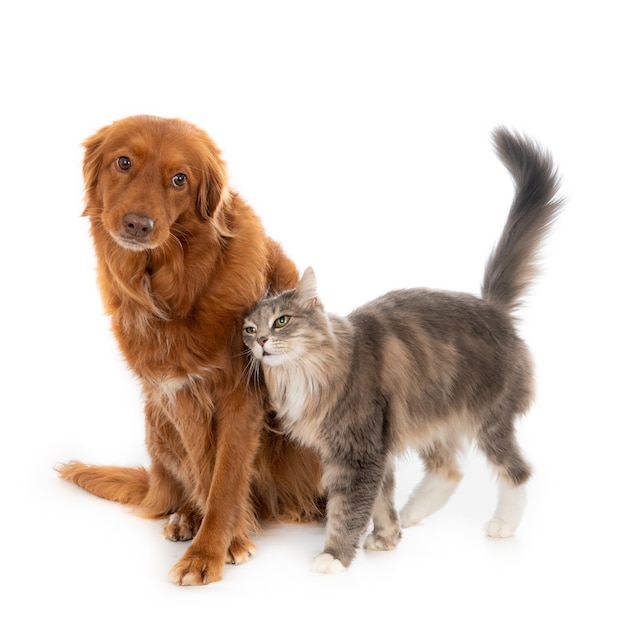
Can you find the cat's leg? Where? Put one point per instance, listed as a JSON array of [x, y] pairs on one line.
[[386, 533], [352, 491], [440, 481], [509, 510], [501, 449]]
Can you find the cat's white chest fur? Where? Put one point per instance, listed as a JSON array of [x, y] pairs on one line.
[[295, 394]]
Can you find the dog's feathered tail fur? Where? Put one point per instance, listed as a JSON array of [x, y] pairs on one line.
[[273, 488], [128, 485]]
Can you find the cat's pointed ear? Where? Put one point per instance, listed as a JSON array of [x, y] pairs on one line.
[[306, 289]]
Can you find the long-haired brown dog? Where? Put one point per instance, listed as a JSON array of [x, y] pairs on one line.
[[181, 259]]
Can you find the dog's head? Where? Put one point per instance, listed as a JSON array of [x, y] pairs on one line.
[[147, 178]]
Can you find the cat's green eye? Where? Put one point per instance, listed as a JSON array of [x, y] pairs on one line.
[[281, 321], [250, 330]]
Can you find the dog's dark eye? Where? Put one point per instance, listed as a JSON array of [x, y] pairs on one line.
[[124, 163], [180, 180]]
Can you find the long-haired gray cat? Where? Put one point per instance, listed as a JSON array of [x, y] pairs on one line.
[[414, 368]]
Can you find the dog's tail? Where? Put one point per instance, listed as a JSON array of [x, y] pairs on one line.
[[512, 264], [128, 485]]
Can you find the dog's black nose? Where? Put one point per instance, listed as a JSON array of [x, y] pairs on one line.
[[138, 226]]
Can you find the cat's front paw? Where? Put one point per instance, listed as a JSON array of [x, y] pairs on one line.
[[327, 564], [381, 541]]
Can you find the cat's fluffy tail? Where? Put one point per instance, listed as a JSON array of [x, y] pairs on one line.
[[512, 264]]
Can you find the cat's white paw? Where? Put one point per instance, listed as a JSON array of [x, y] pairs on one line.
[[410, 517], [429, 496], [508, 513], [327, 564], [500, 529]]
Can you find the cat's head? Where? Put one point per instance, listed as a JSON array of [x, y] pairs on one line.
[[284, 328]]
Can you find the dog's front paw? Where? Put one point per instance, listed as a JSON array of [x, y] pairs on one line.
[[196, 568], [327, 564], [240, 551]]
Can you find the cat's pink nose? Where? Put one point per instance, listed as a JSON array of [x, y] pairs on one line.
[[262, 341]]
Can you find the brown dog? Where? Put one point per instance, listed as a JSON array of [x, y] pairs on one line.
[[181, 259]]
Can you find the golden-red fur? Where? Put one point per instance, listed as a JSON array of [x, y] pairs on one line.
[[177, 293]]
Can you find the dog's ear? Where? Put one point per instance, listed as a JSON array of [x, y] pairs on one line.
[[213, 190], [92, 162]]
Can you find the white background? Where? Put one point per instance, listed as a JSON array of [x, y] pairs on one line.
[[360, 132]]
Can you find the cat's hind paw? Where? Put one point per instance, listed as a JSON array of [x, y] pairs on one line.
[[327, 564], [409, 516], [499, 529]]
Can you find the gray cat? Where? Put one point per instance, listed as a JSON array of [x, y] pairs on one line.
[[414, 368]]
